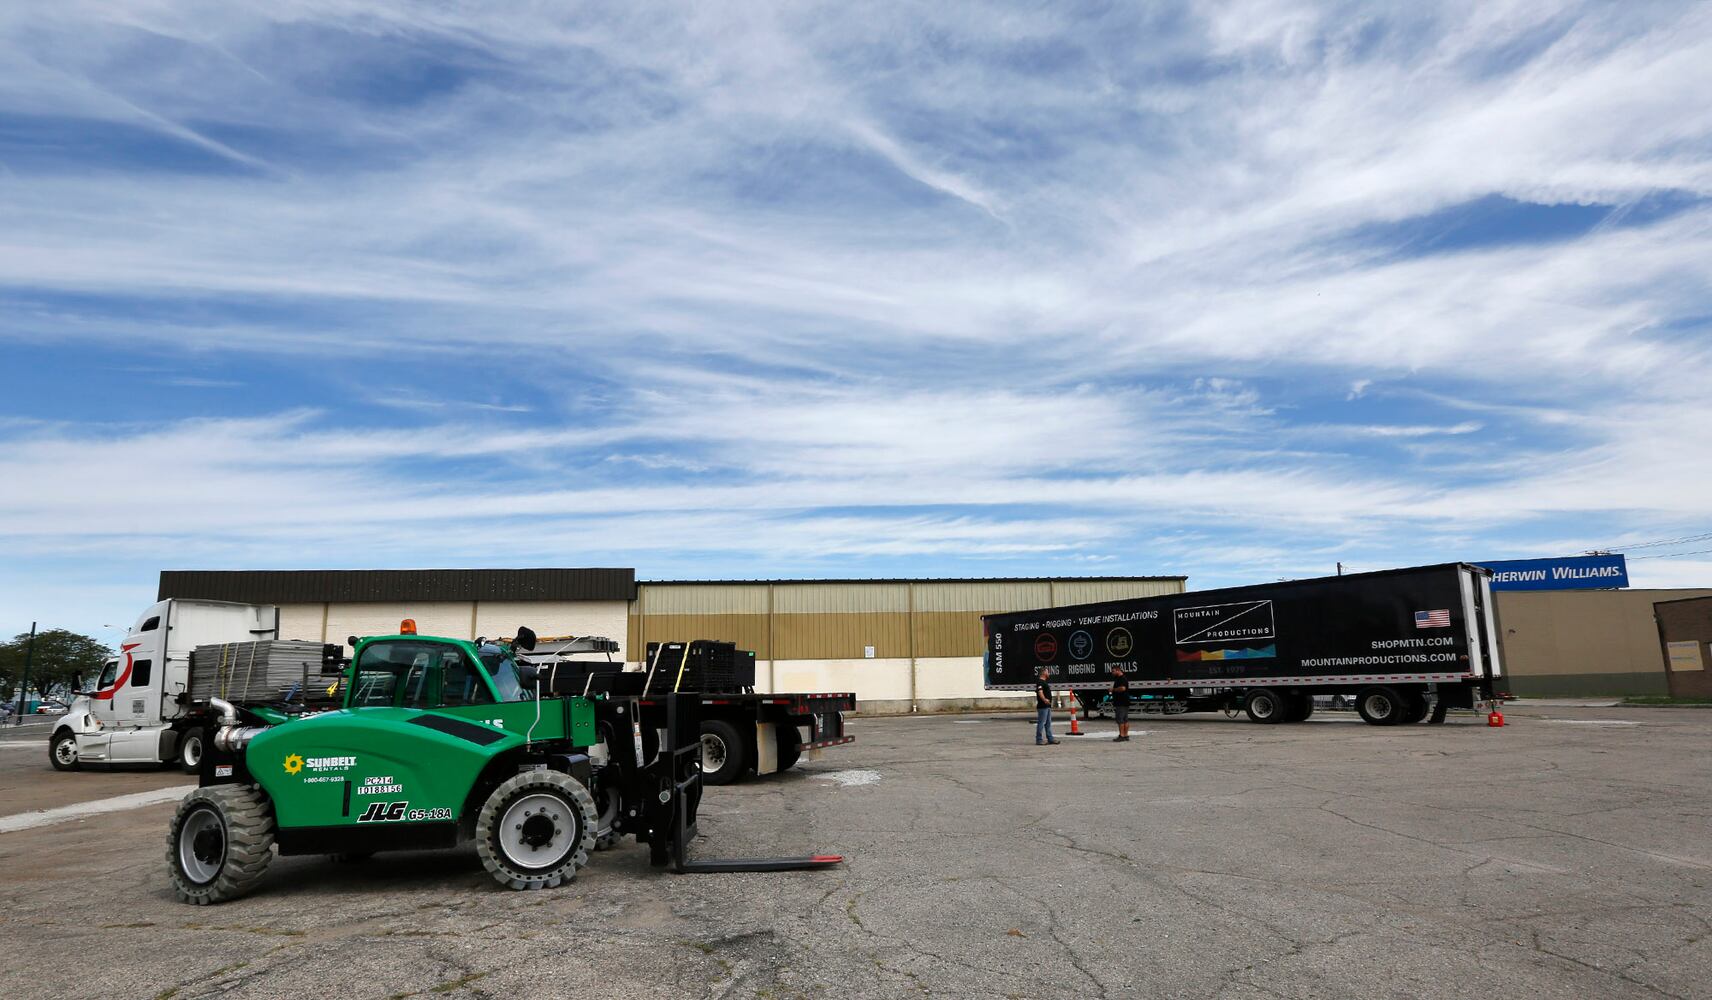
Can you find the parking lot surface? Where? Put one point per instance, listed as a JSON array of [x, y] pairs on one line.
[[1565, 855]]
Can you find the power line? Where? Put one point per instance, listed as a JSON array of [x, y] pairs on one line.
[[1673, 555], [1685, 539]]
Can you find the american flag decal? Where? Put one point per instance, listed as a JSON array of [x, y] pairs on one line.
[[1433, 619]]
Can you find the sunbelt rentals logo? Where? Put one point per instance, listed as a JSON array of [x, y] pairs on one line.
[[295, 763]]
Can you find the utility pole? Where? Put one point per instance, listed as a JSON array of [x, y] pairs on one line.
[[1340, 569], [24, 688]]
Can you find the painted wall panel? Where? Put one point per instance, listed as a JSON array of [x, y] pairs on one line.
[[303, 621]]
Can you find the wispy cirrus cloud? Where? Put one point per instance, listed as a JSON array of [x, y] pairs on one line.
[[1236, 290]]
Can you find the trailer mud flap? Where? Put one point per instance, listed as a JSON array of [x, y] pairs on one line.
[[682, 754]]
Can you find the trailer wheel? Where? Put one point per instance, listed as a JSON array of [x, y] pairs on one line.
[[219, 844], [1266, 705], [190, 750], [1414, 708], [723, 754], [1301, 706], [1380, 706], [62, 751], [790, 746], [536, 829]]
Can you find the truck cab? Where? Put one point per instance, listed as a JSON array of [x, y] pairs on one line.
[[132, 714]]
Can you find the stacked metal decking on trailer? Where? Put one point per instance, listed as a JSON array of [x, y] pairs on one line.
[[266, 670], [1424, 625]]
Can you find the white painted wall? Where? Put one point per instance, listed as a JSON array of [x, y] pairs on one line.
[[302, 621], [952, 678]]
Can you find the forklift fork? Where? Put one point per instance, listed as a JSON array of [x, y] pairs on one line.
[[682, 755]]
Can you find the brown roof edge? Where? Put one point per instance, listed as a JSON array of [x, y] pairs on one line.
[[919, 579], [352, 585]]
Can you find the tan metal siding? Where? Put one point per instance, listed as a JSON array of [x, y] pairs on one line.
[[986, 598], [1093, 591], [840, 598], [841, 636], [747, 631], [704, 599], [949, 633]]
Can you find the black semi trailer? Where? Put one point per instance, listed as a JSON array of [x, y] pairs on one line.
[[1402, 642]]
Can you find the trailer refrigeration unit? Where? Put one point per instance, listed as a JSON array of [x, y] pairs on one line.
[[1402, 642]]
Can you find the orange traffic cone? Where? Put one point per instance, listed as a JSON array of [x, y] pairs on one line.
[[1495, 719], [1074, 729]]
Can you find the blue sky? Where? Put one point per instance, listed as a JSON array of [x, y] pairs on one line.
[[1234, 290]]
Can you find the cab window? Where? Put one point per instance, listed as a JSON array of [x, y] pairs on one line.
[[109, 674], [414, 674]]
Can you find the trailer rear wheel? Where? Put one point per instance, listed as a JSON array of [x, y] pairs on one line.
[[790, 746], [190, 750], [1301, 706], [1380, 706], [1414, 708], [219, 843], [1266, 705], [724, 755], [536, 829]]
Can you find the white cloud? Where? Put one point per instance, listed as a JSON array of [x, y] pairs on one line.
[[965, 282]]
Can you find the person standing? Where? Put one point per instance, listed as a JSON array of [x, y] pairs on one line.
[[1120, 703], [1043, 709]]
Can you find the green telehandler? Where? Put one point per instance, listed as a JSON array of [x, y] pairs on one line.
[[440, 742]]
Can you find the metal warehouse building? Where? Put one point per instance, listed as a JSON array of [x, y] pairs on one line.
[[901, 645]]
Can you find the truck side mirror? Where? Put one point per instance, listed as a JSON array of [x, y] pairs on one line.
[[525, 638]]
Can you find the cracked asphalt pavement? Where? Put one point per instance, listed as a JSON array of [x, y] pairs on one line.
[[1566, 855]]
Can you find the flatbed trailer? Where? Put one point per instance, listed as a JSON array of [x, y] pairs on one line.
[[1403, 643], [742, 732]]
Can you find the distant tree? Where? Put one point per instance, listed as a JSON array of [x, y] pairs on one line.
[[62, 659]]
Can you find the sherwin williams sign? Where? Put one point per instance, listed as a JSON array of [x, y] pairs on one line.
[[1568, 573]]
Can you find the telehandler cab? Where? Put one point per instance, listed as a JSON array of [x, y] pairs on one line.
[[440, 742]]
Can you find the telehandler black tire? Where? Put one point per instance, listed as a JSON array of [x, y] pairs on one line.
[[790, 746], [724, 754], [606, 814], [536, 829], [219, 844]]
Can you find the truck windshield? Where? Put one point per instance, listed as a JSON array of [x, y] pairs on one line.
[[503, 669]]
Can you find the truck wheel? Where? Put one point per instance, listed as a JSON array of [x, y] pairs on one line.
[[1380, 706], [190, 750], [219, 844], [536, 829], [790, 746], [1266, 705], [1414, 708], [606, 814], [62, 751], [1301, 706], [723, 753]]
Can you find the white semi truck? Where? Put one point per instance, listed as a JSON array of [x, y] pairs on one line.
[[142, 710]]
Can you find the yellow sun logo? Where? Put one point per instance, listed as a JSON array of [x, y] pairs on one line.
[[294, 763]]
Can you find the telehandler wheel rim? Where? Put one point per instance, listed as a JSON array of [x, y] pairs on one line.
[[713, 753], [538, 830], [65, 750], [202, 846]]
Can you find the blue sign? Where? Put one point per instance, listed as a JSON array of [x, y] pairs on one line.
[[1568, 573]]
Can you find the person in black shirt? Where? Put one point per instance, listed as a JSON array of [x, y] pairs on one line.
[[1120, 703], [1043, 710]]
